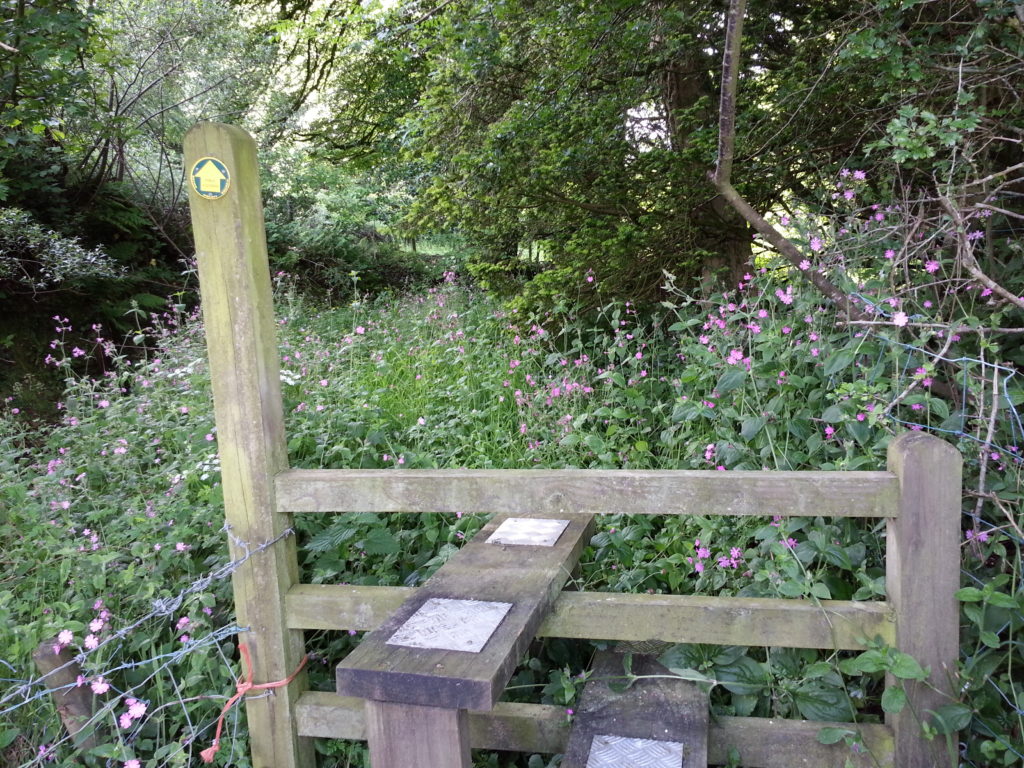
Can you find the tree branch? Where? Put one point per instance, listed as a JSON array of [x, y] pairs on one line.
[[722, 175], [965, 255]]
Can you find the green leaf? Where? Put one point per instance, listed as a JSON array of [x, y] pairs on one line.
[[839, 360], [833, 735], [380, 542], [939, 407], [969, 595], [894, 699], [1001, 600], [730, 380], [743, 706], [816, 701], [820, 591], [833, 414], [791, 589], [743, 676], [7, 736], [869, 661], [752, 426], [991, 639], [906, 667], [951, 718]]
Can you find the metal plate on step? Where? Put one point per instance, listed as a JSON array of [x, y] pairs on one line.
[[624, 752], [451, 625], [535, 531]]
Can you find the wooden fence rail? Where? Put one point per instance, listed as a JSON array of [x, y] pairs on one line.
[[918, 497]]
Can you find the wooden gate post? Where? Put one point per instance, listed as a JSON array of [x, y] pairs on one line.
[[922, 575], [227, 218]]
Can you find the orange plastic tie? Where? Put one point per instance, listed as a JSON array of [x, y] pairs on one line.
[[242, 689]]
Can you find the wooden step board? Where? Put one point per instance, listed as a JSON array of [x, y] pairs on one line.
[[655, 723], [456, 642]]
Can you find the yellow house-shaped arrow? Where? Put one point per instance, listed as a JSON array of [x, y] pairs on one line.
[[210, 178]]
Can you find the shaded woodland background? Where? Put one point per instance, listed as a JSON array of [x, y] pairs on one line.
[[551, 140]]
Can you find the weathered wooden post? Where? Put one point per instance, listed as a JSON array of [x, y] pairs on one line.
[[922, 575], [60, 673], [234, 276]]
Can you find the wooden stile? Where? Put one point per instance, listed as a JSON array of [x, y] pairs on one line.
[[589, 491], [922, 577], [238, 313], [784, 623], [410, 736], [526, 578], [763, 742], [919, 496]]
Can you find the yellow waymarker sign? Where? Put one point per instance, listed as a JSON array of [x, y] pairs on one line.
[[210, 178]]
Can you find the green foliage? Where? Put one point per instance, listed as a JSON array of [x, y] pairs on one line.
[[335, 232], [447, 378], [33, 258]]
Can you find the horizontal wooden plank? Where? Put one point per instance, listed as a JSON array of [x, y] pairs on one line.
[[525, 579], [762, 742], [833, 624], [659, 492]]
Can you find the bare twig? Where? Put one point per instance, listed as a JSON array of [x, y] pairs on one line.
[[914, 384], [941, 326], [986, 446], [965, 254]]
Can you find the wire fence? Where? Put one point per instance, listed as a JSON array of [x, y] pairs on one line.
[[38, 689]]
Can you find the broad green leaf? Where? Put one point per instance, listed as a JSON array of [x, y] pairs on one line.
[[752, 426], [833, 414], [951, 718], [906, 667], [839, 360], [730, 380], [380, 542], [869, 661], [833, 735], [894, 699], [743, 676], [816, 701]]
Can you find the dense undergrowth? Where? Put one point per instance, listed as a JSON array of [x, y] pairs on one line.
[[110, 520]]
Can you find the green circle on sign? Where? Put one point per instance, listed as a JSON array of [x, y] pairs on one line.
[[210, 178]]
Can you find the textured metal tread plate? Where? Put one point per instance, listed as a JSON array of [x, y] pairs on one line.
[[451, 625], [528, 531], [623, 752]]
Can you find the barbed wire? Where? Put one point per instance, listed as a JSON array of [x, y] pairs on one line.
[[35, 689]]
